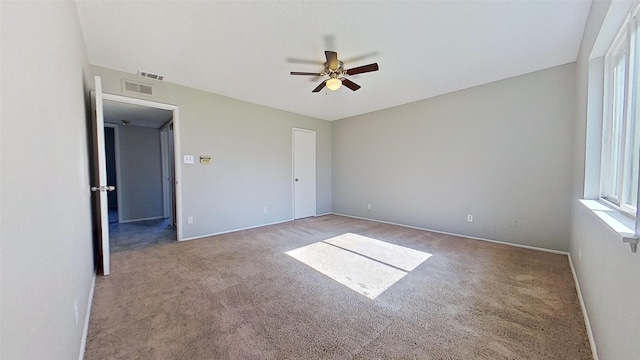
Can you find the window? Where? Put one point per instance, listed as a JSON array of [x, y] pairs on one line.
[[621, 123]]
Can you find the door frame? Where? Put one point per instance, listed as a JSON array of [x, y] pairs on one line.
[[176, 147], [164, 148], [168, 172], [293, 169]]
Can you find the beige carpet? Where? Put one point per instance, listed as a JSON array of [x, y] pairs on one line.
[[241, 296]]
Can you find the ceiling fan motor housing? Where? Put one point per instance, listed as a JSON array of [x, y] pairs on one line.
[[339, 71]]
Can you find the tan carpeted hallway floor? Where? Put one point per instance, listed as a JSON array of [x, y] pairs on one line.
[[240, 296]]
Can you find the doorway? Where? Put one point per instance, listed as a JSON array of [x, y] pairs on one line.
[[138, 163]]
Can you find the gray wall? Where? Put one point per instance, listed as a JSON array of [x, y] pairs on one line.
[[501, 152], [140, 173], [46, 250], [251, 148], [605, 267]]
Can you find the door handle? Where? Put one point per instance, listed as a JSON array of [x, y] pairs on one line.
[[103, 188]]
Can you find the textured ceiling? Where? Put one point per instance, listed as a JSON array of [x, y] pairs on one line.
[[245, 50]]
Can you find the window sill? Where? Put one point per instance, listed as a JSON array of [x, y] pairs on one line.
[[615, 219]]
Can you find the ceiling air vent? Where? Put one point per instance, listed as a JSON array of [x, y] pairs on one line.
[[136, 87], [150, 75]]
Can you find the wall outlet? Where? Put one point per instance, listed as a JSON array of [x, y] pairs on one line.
[[76, 311], [470, 218], [369, 206], [265, 210], [190, 220], [188, 159]]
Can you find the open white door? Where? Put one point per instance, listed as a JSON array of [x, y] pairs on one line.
[[304, 173], [100, 170]]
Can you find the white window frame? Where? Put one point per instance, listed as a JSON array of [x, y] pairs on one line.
[[624, 46]]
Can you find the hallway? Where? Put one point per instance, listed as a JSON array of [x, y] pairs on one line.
[[140, 234]]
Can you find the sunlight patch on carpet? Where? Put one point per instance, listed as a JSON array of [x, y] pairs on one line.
[[363, 264]]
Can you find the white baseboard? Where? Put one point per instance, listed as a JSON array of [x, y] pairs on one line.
[[246, 228], [585, 315], [459, 235], [234, 230], [85, 330]]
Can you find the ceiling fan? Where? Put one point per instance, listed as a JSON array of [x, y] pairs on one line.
[[336, 72]]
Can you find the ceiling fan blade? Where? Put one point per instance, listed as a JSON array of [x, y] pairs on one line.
[[332, 59], [362, 69], [350, 84], [320, 87], [305, 73]]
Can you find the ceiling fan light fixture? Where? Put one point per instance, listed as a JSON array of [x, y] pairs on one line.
[[334, 84]]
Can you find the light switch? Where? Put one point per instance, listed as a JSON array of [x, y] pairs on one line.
[[188, 159]]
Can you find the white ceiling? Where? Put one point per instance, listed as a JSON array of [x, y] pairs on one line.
[[245, 50]]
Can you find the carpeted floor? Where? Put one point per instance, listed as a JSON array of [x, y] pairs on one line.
[[241, 296]]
